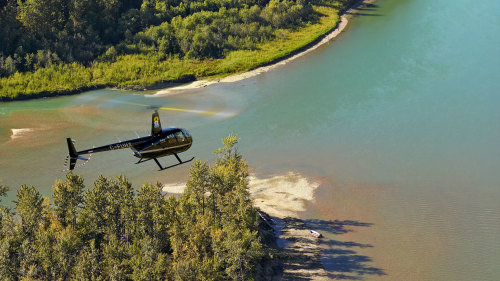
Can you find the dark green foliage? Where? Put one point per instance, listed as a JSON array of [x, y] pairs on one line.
[[220, 241], [3, 190], [68, 196], [88, 265], [109, 233], [37, 33], [29, 207], [136, 44], [7, 254]]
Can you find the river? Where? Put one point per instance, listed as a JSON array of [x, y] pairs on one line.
[[397, 119]]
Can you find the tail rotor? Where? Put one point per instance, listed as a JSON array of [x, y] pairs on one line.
[[73, 156]]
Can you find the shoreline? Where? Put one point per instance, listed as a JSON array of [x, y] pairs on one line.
[[298, 253], [191, 81], [321, 40], [281, 198]]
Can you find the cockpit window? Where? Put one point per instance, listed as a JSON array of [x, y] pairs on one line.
[[171, 138], [180, 136], [186, 133]]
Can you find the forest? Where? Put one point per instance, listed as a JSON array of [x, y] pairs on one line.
[[61, 45], [112, 231]]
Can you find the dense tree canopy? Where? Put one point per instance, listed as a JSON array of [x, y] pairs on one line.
[[88, 44], [39, 33], [112, 232]]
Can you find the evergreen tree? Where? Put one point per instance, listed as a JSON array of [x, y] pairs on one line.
[[29, 207], [67, 245], [92, 220], [152, 220], [3, 190], [111, 234], [7, 260], [197, 185], [88, 264], [68, 197], [116, 265], [148, 263]]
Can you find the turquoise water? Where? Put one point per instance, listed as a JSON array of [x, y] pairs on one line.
[[398, 119]]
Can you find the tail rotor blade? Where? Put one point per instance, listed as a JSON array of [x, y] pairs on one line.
[[73, 156]]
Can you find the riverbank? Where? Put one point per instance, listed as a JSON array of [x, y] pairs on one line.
[[283, 197], [148, 71], [323, 39]]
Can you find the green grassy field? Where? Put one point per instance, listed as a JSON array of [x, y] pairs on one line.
[[139, 71]]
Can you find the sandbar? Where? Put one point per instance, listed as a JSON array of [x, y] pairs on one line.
[[283, 197]]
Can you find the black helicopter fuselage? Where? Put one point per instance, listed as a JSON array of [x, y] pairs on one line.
[[169, 141], [162, 142]]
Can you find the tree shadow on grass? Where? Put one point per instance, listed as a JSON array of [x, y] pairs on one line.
[[340, 258]]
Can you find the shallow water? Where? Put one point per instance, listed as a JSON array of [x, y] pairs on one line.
[[397, 119]]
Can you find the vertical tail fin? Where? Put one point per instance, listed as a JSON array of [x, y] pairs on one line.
[[72, 154], [71, 148], [155, 124]]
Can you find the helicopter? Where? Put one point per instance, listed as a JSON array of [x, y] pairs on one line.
[[162, 142]]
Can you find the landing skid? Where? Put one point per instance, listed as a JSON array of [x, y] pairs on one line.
[[164, 168]]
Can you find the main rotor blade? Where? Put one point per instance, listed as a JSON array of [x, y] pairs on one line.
[[206, 112]]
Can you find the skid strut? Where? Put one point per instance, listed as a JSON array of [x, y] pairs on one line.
[[178, 159]]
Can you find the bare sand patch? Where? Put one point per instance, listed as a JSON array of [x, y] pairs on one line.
[[18, 133], [282, 195], [24, 136], [177, 89], [174, 188]]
